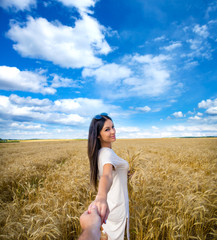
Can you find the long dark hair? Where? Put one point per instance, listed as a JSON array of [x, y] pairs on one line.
[[94, 145]]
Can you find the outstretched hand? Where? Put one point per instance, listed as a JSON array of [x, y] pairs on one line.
[[102, 207], [90, 220]]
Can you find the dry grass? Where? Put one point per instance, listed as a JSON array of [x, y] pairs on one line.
[[44, 188]]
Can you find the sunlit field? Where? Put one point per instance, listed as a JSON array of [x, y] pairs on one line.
[[44, 188]]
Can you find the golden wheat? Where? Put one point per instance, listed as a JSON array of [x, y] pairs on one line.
[[44, 188]]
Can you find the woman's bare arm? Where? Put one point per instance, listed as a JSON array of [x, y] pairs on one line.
[[105, 183]]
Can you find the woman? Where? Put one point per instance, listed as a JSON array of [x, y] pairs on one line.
[[112, 198]]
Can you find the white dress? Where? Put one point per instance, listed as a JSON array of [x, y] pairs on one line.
[[117, 197]]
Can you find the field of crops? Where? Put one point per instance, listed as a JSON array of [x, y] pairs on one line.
[[44, 188]]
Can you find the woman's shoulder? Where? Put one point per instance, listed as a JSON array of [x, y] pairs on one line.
[[105, 150]]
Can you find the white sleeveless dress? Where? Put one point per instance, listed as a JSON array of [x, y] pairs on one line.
[[117, 197]]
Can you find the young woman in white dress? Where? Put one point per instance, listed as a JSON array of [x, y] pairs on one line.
[[109, 172]]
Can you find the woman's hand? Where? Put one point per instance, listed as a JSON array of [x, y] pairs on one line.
[[102, 207], [130, 174]]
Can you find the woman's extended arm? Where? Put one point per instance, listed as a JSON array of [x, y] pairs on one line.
[[105, 183]]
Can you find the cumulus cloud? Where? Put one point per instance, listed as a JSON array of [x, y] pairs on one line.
[[59, 81], [70, 47], [63, 111], [109, 73], [82, 6], [209, 105], [143, 109], [18, 4], [195, 118], [212, 110], [178, 114], [11, 78], [83, 106], [137, 75], [26, 126], [152, 76]]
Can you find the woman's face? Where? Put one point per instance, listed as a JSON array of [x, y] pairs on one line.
[[107, 134]]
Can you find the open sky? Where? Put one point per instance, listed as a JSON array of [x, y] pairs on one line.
[[150, 64]]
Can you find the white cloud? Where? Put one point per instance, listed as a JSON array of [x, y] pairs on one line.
[[82, 6], [109, 73], [11, 78], [212, 110], [178, 114], [195, 43], [63, 82], [137, 75], [150, 59], [190, 64], [83, 106], [199, 129], [143, 109], [168, 131], [201, 30], [195, 118], [18, 4], [76, 111], [70, 47], [209, 105], [26, 126], [152, 77], [173, 46], [29, 101], [157, 39]]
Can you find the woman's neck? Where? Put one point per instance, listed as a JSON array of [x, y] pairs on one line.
[[107, 145]]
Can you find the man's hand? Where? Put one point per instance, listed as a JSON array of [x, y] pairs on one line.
[[90, 223], [102, 207]]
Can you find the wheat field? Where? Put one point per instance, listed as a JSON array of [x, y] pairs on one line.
[[44, 188]]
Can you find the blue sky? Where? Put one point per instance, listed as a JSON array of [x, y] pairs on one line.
[[150, 64]]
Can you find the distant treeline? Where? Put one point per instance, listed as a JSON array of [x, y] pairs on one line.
[[201, 137], [8, 140]]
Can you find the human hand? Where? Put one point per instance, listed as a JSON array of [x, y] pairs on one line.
[[90, 219], [102, 207], [130, 174]]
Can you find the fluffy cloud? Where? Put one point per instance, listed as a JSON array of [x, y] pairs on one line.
[[195, 118], [18, 4], [11, 78], [63, 82], [109, 73], [138, 75], [83, 106], [70, 47], [64, 111], [209, 105], [151, 75], [178, 114], [82, 6], [143, 109]]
